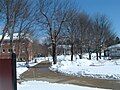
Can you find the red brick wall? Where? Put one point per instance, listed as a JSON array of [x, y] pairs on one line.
[[25, 49]]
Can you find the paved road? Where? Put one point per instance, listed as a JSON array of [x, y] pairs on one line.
[[41, 72]]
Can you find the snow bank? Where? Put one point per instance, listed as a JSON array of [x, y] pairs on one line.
[[40, 85], [102, 68]]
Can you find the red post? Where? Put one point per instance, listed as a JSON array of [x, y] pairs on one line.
[[8, 73]]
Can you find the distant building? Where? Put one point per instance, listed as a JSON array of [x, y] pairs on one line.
[[22, 47], [113, 51], [61, 49]]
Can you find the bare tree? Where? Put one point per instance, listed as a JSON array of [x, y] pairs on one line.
[[83, 25], [11, 12], [102, 32], [26, 25], [52, 14], [71, 32]]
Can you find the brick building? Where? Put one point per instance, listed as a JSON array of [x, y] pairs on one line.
[[22, 47]]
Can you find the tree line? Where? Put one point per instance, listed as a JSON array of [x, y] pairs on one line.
[[65, 24], [61, 21]]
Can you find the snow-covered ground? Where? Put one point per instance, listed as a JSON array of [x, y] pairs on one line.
[[103, 68], [40, 85], [43, 85], [21, 66]]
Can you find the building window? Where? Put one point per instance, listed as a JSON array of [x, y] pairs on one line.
[[3, 50]]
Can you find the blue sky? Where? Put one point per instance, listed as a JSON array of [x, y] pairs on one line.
[[111, 8]]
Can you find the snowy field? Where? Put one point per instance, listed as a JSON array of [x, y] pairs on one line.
[[103, 68], [40, 85]]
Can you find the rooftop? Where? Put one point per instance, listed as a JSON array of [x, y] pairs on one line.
[[15, 36]]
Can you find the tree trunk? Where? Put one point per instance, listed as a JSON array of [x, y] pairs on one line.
[[54, 53], [100, 54], [105, 53], [72, 52], [80, 52], [27, 52], [19, 50], [97, 55], [11, 30], [89, 53], [19, 46], [11, 41], [4, 33]]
